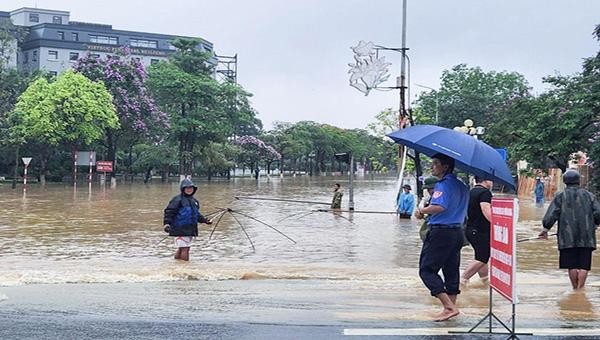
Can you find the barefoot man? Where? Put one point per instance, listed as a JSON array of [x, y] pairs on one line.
[[441, 248], [578, 213]]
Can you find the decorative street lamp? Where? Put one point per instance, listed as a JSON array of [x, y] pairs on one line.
[[469, 129]]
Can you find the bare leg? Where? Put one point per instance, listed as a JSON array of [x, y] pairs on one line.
[[483, 272], [178, 254], [574, 277], [581, 277], [450, 309], [472, 268], [185, 253]]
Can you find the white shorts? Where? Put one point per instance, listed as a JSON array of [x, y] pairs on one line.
[[183, 241]]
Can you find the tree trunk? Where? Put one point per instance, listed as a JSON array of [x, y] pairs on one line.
[[43, 169], [164, 176], [14, 183], [181, 156], [112, 152], [148, 175], [129, 163]]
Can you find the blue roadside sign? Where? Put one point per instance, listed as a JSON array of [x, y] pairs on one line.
[[503, 153]]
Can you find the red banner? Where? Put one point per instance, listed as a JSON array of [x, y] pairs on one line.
[[503, 250], [104, 166]]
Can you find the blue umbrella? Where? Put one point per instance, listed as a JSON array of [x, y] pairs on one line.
[[471, 155]]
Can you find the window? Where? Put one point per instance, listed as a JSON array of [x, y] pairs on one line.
[[75, 36], [57, 19], [154, 61], [171, 47], [103, 39], [53, 73], [34, 56], [136, 59], [61, 35], [143, 43], [52, 54], [73, 56], [34, 17], [94, 55], [25, 57]]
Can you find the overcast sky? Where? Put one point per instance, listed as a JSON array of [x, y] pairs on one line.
[[294, 54]]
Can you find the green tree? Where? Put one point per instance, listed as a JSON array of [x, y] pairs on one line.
[[590, 82], [469, 92], [201, 110], [72, 110]]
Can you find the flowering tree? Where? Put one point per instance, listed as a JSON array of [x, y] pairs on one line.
[[254, 150], [125, 77]]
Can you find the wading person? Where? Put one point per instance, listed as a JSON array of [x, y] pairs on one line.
[[539, 192], [181, 219], [406, 202], [578, 214], [336, 202], [441, 248], [478, 229]]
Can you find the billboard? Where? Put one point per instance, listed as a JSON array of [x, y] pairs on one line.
[[104, 166]]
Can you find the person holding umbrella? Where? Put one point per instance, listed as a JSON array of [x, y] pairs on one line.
[[441, 248]]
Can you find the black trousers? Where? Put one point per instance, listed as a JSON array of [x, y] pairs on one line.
[[441, 250]]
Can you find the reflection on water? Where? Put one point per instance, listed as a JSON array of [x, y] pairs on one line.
[[61, 235], [576, 305]]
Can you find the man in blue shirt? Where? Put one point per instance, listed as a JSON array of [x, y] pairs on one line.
[[406, 202], [441, 248]]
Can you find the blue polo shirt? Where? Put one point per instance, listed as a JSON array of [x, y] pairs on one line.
[[451, 194]]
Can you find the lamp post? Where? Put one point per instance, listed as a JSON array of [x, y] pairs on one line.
[[437, 101], [348, 158]]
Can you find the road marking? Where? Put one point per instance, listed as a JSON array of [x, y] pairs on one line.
[[444, 331]]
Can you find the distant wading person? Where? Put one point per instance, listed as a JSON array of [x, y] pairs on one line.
[[478, 229], [336, 202], [406, 202], [181, 219], [539, 192], [578, 214], [441, 248]]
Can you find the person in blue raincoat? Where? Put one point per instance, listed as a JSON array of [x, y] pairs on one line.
[[539, 192], [181, 218], [406, 202]]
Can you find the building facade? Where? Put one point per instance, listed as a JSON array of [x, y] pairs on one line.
[[54, 42]]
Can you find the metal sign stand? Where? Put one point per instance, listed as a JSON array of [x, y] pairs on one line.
[[490, 316], [503, 243]]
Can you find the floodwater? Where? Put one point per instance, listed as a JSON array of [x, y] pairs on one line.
[[93, 262]]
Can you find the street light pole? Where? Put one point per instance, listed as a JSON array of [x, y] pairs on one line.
[[351, 189], [437, 101]]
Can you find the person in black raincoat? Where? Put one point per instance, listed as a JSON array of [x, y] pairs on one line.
[[181, 218], [578, 214]]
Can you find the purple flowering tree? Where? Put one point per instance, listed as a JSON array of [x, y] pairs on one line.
[[255, 150], [125, 78]]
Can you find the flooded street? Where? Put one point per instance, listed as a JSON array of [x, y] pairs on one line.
[[74, 257]]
